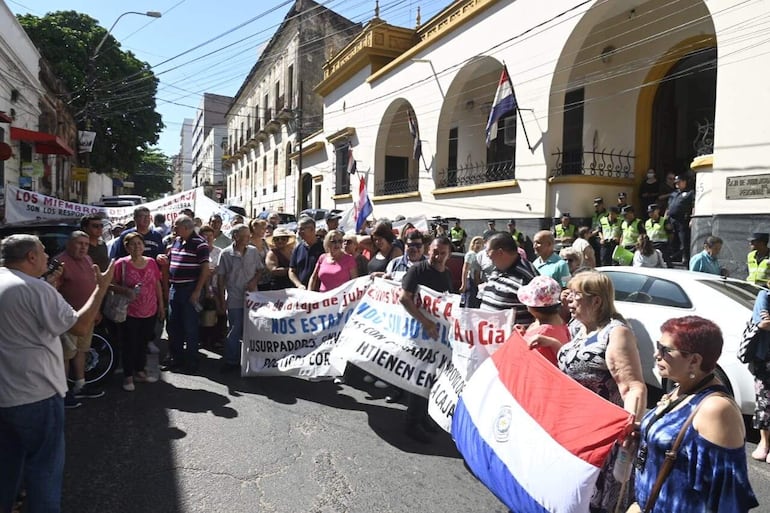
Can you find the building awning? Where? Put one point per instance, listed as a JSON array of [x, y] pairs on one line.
[[5, 118], [46, 144]]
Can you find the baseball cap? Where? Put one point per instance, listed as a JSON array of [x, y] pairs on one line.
[[541, 291], [566, 214], [627, 209], [598, 200], [652, 207]]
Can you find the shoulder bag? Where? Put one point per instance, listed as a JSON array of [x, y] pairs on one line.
[[116, 305], [668, 462], [747, 349]]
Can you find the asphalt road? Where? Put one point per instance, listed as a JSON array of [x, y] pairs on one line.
[[219, 443]]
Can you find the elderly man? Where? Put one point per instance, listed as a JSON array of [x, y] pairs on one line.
[[32, 380], [188, 273], [153, 242], [510, 272], [398, 267], [76, 284], [706, 261], [431, 273], [305, 254], [548, 262], [239, 270]]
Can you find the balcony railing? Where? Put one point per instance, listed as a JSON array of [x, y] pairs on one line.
[[611, 164], [268, 116], [389, 187], [279, 103], [477, 173]]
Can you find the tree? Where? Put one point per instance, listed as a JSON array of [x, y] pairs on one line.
[[112, 92], [154, 176]]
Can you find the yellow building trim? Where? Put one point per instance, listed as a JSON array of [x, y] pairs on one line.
[[339, 197], [341, 135], [308, 150], [590, 180], [644, 105], [506, 184], [440, 26], [702, 162], [318, 178], [395, 197]]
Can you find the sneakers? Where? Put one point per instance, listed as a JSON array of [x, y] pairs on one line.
[[70, 402], [88, 392], [368, 378], [143, 377]]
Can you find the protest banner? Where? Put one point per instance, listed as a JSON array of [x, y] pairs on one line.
[[475, 336], [291, 332]]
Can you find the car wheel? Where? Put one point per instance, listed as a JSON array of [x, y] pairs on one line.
[[720, 374]]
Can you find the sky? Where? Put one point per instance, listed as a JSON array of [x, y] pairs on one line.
[[215, 26]]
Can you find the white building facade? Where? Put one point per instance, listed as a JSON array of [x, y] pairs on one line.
[[209, 116], [183, 163], [606, 90]]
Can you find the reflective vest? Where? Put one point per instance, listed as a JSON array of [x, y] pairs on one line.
[[656, 230], [457, 234], [517, 236], [565, 231], [596, 220], [610, 229], [759, 272], [630, 233]]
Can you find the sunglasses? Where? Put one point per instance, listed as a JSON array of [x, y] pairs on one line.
[[280, 239], [666, 351]]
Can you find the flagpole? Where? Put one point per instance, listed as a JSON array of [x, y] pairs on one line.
[[518, 110]]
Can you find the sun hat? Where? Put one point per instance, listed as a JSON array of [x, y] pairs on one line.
[[281, 232], [540, 292]]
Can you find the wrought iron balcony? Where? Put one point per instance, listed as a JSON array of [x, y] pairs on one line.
[[611, 164], [389, 187], [478, 173]]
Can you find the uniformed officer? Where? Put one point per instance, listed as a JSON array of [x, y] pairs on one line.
[[594, 237], [458, 236], [656, 227], [622, 203], [564, 232], [680, 205], [757, 259], [610, 235], [630, 228]]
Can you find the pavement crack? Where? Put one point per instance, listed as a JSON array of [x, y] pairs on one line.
[[335, 487]]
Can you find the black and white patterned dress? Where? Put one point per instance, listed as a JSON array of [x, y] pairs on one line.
[[584, 359]]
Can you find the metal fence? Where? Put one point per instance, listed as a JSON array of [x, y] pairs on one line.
[[396, 186], [477, 173], [612, 164]]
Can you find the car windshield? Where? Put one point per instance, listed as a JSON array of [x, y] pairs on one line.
[[740, 291], [287, 218]]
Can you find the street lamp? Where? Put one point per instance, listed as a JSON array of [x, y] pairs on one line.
[[151, 14]]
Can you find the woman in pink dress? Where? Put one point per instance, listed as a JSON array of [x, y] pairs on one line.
[[334, 267], [138, 277]]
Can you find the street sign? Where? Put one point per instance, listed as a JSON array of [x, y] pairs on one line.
[[80, 174]]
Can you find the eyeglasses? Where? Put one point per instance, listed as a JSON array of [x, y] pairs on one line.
[[416, 245], [576, 295], [280, 239], [666, 351]]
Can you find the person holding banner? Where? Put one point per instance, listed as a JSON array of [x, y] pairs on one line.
[[385, 249], [604, 358], [334, 267], [305, 254], [431, 273]]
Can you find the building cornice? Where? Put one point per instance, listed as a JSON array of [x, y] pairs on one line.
[[341, 135], [308, 150]]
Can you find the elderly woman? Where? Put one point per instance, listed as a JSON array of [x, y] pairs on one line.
[[710, 470], [471, 274], [138, 277], [281, 244], [334, 267], [760, 367], [384, 248], [351, 247], [603, 357], [257, 229]]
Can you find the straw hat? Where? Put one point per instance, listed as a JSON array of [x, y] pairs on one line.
[[281, 232]]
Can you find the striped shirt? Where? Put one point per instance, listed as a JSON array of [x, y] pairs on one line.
[[500, 290], [186, 259]]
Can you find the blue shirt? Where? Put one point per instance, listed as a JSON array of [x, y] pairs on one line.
[[704, 263], [555, 267], [304, 258], [153, 244]]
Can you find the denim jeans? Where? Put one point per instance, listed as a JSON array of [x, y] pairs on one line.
[[32, 452], [182, 324], [234, 336]]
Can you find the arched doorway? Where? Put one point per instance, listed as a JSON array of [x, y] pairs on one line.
[[306, 192], [683, 113]]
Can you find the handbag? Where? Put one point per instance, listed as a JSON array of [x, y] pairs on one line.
[[747, 348], [115, 306], [668, 462]]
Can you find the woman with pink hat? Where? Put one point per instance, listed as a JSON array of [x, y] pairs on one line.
[[542, 297]]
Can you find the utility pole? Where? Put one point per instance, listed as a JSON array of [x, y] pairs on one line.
[[298, 180]]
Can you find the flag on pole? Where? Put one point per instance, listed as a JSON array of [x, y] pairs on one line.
[[505, 102], [535, 437], [351, 161], [415, 131], [363, 205]]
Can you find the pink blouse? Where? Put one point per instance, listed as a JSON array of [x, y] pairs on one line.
[[332, 274], [146, 304]]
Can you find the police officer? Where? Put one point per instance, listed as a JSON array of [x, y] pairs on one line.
[[522, 240], [458, 236], [757, 259], [680, 205], [594, 237], [656, 227], [564, 232], [610, 235], [630, 228]]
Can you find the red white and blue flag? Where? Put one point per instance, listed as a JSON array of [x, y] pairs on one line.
[[505, 103], [535, 437], [363, 205]]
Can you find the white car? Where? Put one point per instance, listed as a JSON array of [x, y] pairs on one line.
[[649, 297]]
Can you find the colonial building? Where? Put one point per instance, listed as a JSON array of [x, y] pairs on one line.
[[276, 105], [209, 117], [606, 91]]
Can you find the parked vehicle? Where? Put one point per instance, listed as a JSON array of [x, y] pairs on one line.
[[121, 200], [648, 297]]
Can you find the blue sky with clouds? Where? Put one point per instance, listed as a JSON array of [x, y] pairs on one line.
[[227, 51]]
